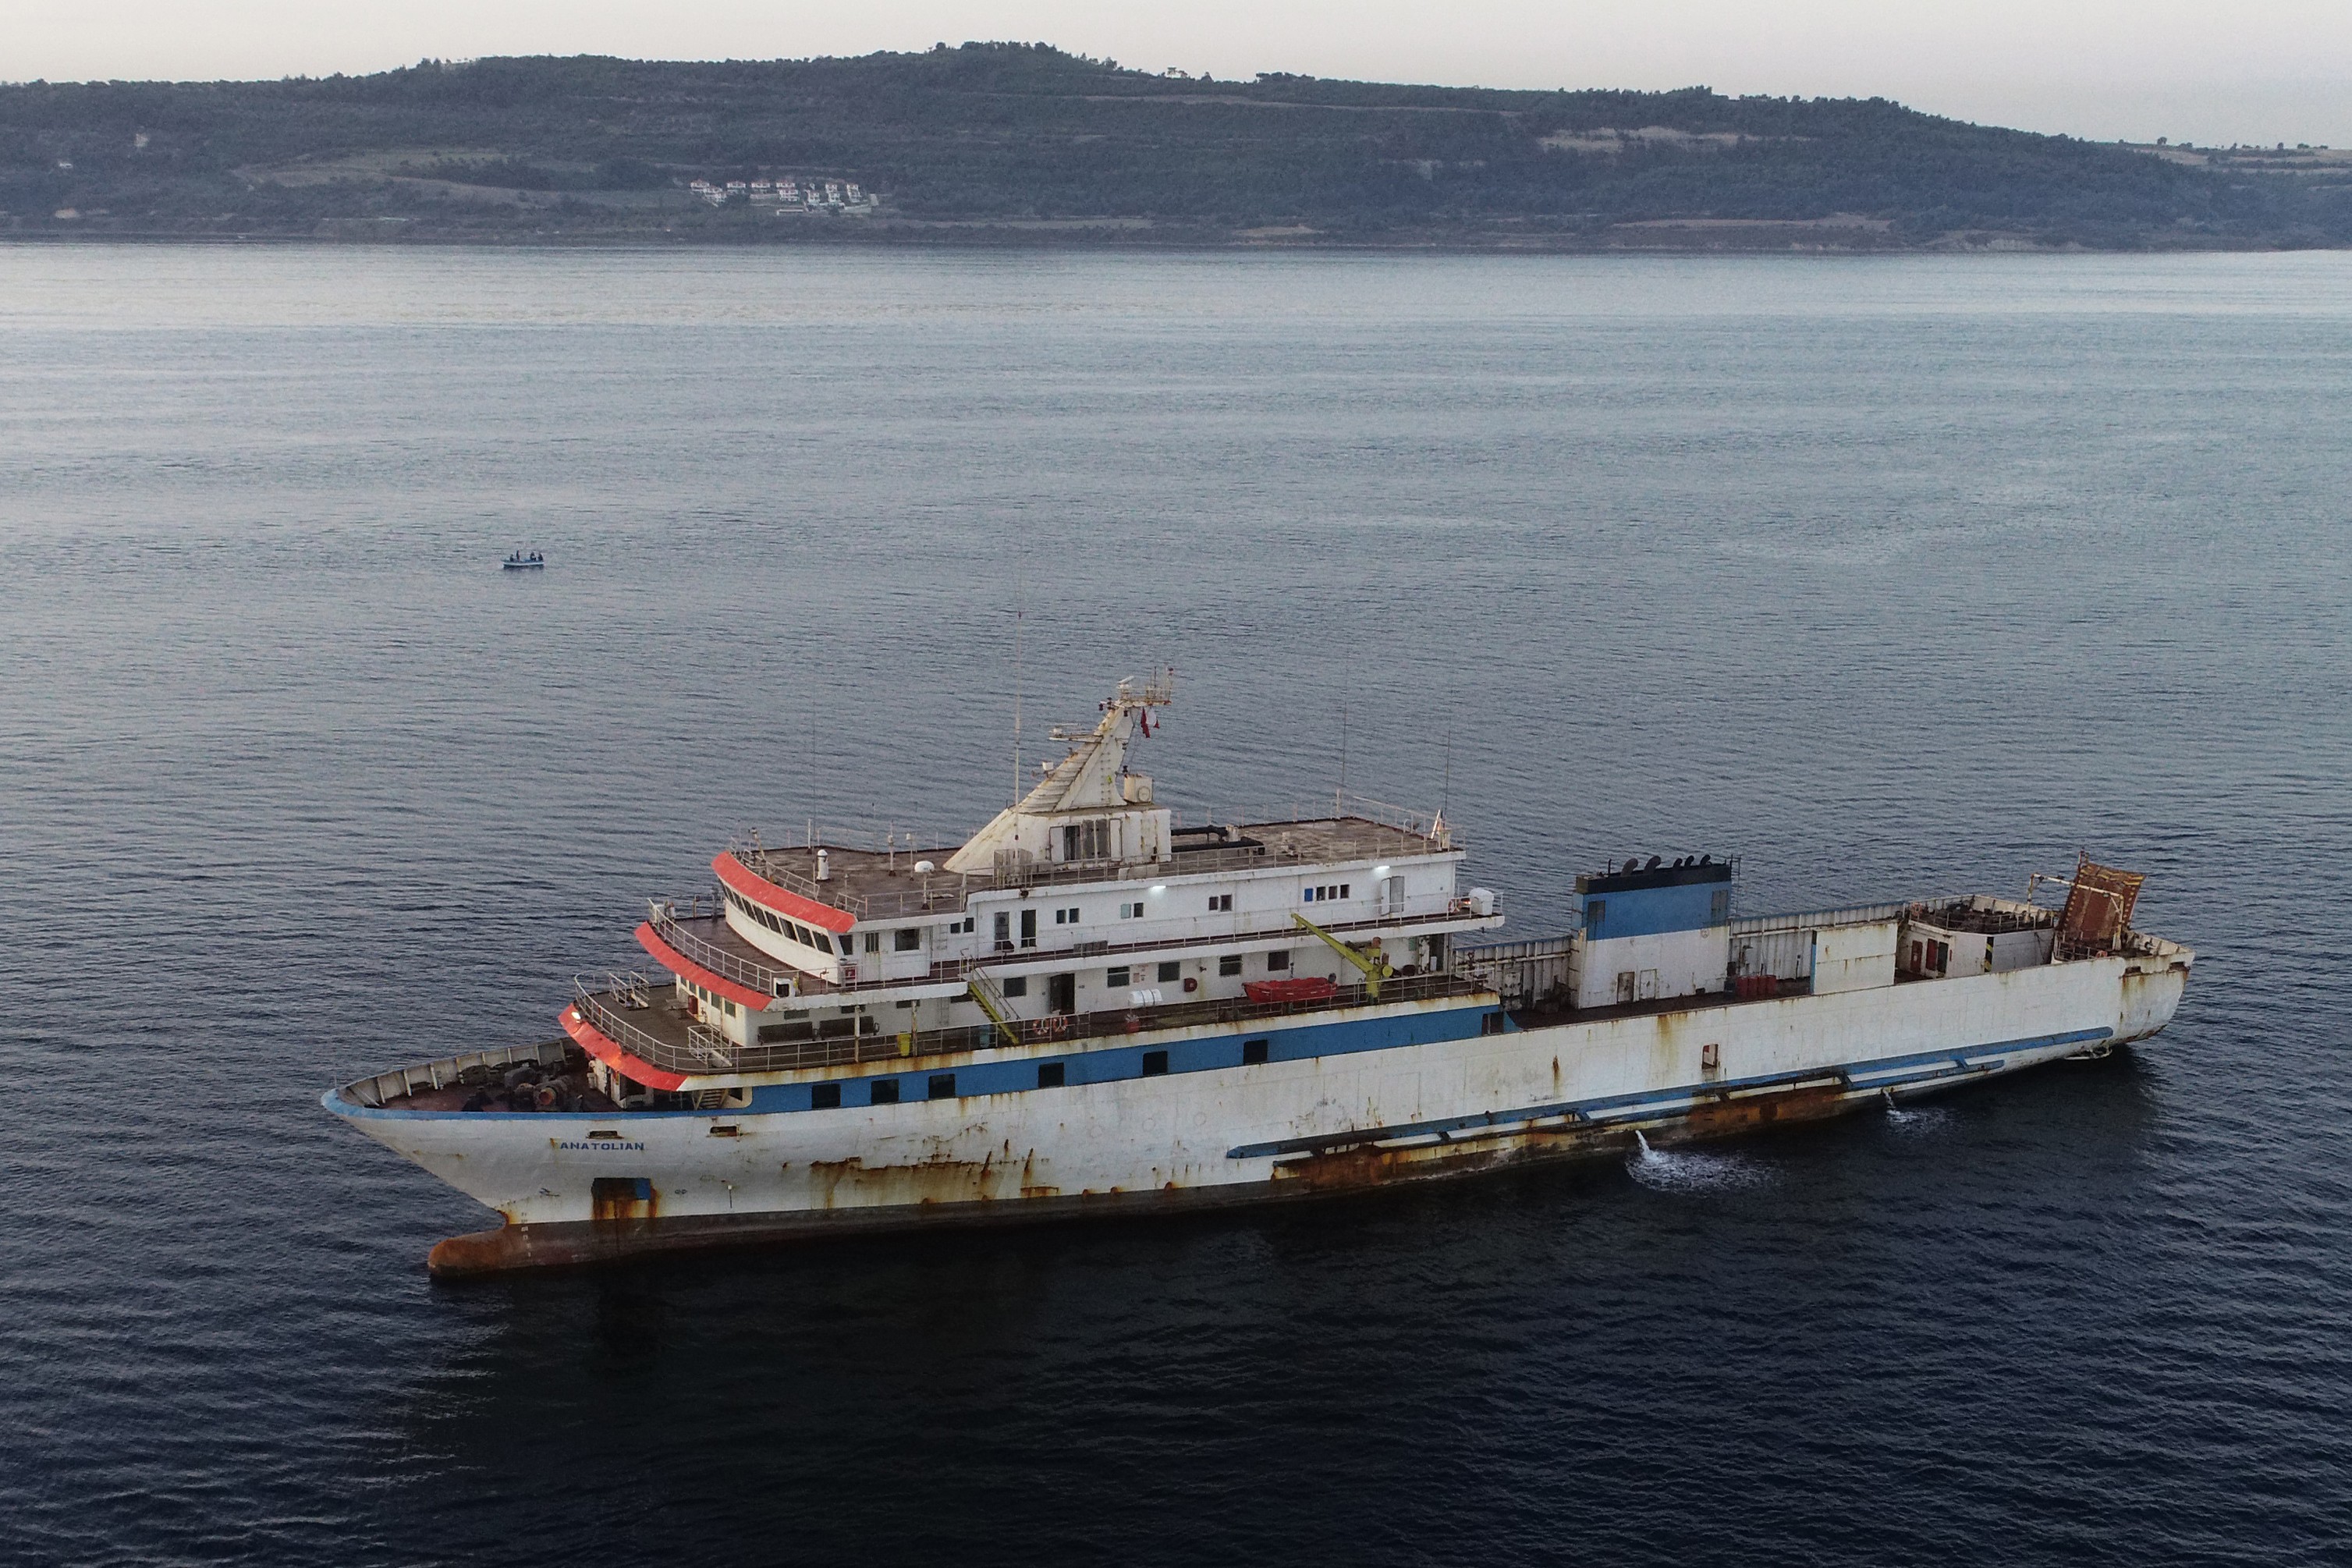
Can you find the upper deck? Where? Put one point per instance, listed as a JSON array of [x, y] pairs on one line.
[[876, 885]]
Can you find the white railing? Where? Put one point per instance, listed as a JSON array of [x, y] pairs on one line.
[[703, 1050], [760, 863], [662, 915]]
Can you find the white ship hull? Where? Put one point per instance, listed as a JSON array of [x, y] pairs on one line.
[[1363, 1115]]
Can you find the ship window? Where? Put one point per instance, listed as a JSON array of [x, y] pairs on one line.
[[1115, 977], [1154, 1063], [1065, 916], [1254, 1052], [1490, 1023], [1028, 927], [943, 1086], [1050, 1075], [730, 1009], [1004, 929], [1016, 985], [1221, 903], [1343, 890], [873, 941], [885, 1091], [824, 1097], [1278, 961], [907, 939], [1131, 912], [1229, 964], [1171, 970], [904, 1006]]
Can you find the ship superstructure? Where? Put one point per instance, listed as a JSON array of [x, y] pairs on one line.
[[1092, 1005]]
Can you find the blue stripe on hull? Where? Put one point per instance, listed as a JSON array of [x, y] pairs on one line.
[[1110, 1064], [1884, 1072]]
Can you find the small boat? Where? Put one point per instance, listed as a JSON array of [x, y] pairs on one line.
[[524, 561]]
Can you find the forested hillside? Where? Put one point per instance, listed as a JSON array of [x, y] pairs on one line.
[[1023, 143]]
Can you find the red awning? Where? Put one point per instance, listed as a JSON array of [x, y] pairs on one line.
[[762, 891], [710, 979], [614, 1056]]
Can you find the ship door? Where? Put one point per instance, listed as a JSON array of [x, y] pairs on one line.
[[621, 1198], [1062, 992]]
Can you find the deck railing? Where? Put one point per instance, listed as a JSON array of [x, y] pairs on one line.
[[662, 915], [705, 1051], [1075, 1028], [761, 863]]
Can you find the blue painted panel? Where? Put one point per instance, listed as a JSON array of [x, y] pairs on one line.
[[1109, 1064], [1646, 911]]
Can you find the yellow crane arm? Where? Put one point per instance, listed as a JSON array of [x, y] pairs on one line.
[[983, 992], [1375, 967]]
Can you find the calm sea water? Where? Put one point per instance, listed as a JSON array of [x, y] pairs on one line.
[[1889, 576]]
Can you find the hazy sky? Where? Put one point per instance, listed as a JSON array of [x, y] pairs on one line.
[[2217, 70]]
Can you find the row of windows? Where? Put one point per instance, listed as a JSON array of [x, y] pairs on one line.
[[1228, 963], [729, 1007], [1132, 974], [1050, 1075], [775, 922], [1219, 904]]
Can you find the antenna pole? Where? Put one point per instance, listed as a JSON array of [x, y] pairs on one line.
[[1445, 790], [1340, 801], [1019, 614]]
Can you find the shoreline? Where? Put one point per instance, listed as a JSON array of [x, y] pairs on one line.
[[1077, 239]]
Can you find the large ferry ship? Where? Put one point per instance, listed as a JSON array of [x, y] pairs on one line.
[[1091, 1008]]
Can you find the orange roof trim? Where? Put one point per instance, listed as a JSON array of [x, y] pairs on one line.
[[766, 894]]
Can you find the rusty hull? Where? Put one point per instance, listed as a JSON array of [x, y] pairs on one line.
[[938, 1193]]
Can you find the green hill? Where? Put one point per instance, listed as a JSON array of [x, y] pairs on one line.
[[1022, 142]]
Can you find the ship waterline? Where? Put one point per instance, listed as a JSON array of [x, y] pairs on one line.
[[1088, 1009]]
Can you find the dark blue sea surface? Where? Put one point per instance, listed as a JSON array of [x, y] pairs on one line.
[[1892, 577]]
